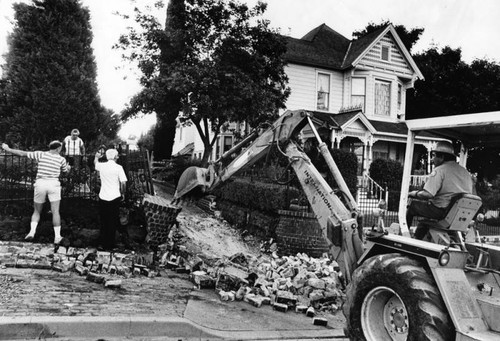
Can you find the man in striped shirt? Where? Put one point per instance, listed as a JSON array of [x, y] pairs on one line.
[[47, 184], [74, 148]]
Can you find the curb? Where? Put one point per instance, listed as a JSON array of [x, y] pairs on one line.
[[41, 327]]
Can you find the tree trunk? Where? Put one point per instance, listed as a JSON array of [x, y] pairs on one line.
[[206, 154], [164, 135]]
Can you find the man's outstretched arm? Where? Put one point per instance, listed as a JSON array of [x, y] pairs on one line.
[[6, 147]]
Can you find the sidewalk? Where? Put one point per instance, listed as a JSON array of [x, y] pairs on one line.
[[38, 303]]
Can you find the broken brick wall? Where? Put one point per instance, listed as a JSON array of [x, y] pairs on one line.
[[160, 217], [300, 232], [295, 231]]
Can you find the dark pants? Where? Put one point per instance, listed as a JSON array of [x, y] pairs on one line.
[[426, 209], [74, 160], [109, 212]]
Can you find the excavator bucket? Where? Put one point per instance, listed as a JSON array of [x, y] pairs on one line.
[[192, 180]]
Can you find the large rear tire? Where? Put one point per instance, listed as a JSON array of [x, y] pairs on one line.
[[392, 297]]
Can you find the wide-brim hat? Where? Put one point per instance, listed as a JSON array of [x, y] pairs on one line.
[[444, 147]]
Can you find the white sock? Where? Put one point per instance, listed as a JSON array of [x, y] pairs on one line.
[[33, 226], [57, 232]]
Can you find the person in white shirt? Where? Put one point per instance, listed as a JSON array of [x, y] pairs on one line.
[[113, 186], [74, 148], [47, 184]]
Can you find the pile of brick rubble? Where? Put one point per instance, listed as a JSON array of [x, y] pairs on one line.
[[300, 283]]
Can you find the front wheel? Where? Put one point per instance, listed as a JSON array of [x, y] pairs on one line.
[[392, 297]]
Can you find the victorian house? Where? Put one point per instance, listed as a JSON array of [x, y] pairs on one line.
[[357, 89]]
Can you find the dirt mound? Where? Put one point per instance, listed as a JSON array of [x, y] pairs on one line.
[[203, 233]]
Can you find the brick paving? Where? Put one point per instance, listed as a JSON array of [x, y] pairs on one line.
[[33, 292], [30, 286]]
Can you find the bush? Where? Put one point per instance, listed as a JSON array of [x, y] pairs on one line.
[[489, 193], [267, 196], [174, 169], [347, 162], [386, 172]]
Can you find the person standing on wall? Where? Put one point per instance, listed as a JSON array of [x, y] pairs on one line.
[[47, 184], [113, 186], [74, 148]]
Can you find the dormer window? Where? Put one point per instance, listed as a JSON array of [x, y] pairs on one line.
[[385, 53]]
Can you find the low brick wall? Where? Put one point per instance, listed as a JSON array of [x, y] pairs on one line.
[[300, 232], [160, 217]]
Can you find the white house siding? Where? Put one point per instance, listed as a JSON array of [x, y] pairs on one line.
[[183, 137], [397, 63], [302, 82], [397, 71]]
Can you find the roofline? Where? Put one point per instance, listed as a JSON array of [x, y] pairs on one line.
[[476, 119], [363, 119], [406, 53], [400, 44], [320, 65]]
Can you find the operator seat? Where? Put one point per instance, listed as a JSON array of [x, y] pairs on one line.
[[462, 209]]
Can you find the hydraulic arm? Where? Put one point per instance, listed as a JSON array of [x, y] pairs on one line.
[[336, 212]]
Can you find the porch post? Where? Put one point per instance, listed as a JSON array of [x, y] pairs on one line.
[[370, 150], [429, 148]]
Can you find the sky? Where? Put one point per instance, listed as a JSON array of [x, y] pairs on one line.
[[469, 24]]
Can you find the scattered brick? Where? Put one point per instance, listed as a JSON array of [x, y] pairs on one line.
[[280, 307], [320, 321], [310, 312], [96, 278], [113, 283]]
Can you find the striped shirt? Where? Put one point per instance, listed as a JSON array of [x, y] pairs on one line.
[[49, 164], [73, 146]]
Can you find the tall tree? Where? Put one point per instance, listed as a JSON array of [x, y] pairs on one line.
[[49, 80], [408, 37], [452, 86], [155, 49], [232, 68]]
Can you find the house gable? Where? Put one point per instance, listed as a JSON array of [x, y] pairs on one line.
[[398, 62], [353, 121]]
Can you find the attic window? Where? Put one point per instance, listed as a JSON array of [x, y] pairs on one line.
[[385, 52]]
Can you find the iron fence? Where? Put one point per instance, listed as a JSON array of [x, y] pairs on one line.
[[18, 174]]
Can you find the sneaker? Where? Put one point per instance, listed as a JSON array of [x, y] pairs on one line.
[[29, 237], [57, 240]]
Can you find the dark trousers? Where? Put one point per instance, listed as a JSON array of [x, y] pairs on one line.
[[423, 208], [109, 212]]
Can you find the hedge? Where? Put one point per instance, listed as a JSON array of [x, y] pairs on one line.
[[259, 195]]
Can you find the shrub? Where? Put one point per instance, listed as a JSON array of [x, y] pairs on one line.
[[174, 169], [347, 162], [258, 195], [386, 171]]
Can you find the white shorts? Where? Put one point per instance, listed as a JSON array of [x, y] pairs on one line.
[[44, 188]]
